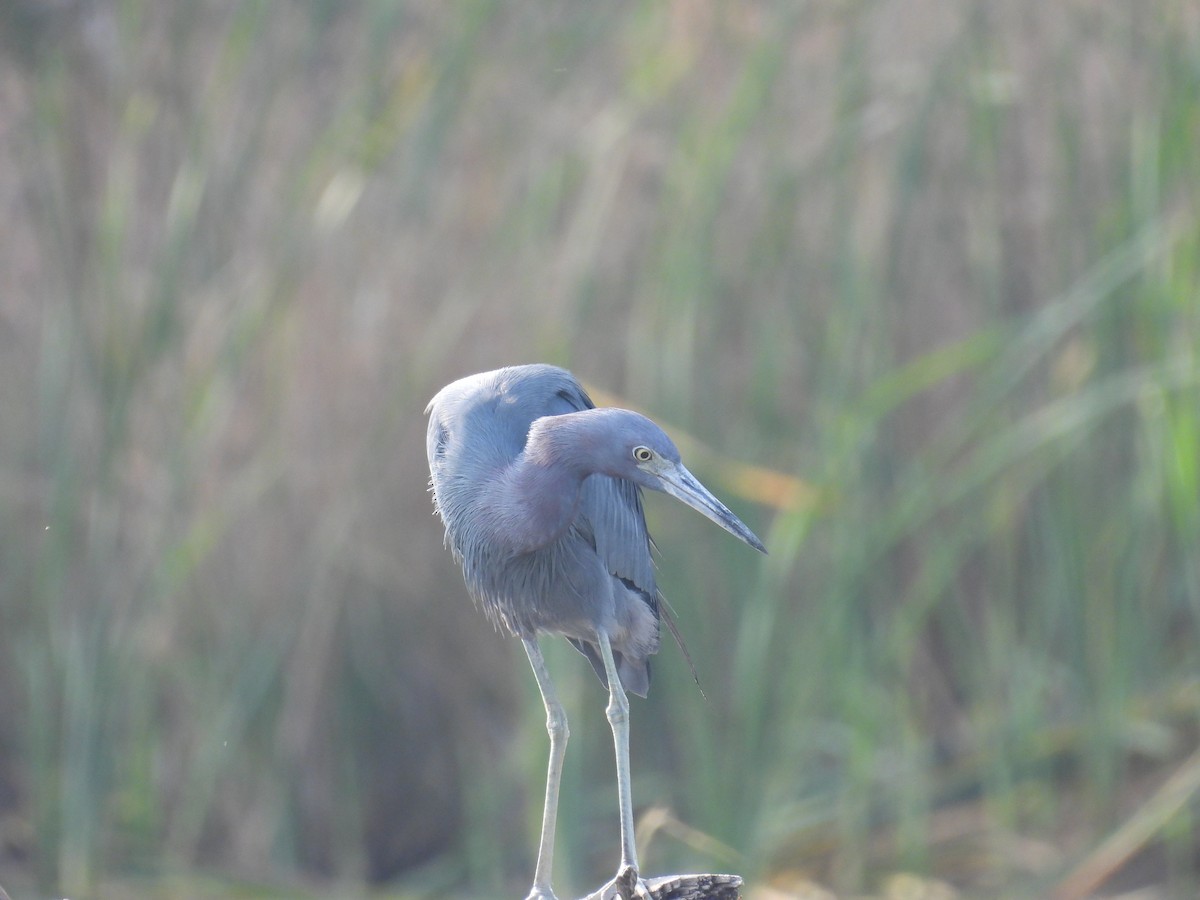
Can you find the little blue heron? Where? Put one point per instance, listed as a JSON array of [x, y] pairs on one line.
[[540, 493]]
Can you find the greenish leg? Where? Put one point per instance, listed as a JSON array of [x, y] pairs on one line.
[[618, 718], [556, 726]]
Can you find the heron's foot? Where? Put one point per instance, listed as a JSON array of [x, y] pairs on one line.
[[628, 885], [541, 893]]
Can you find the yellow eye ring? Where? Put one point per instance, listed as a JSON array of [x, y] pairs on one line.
[[643, 454]]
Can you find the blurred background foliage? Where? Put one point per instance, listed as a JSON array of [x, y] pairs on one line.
[[913, 281]]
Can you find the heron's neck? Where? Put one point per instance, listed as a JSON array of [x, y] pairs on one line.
[[539, 494]]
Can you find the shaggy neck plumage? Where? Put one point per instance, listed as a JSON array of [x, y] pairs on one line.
[[537, 497]]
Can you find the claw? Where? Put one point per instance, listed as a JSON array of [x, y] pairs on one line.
[[628, 885]]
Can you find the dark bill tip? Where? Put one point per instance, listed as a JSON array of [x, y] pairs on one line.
[[685, 487]]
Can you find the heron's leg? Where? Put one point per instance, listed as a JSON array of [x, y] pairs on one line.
[[618, 718], [556, 726]]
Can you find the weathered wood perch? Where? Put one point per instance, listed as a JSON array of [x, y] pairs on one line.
[[681, 887]]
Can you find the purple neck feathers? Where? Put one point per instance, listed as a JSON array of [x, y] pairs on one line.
[[536, 499]]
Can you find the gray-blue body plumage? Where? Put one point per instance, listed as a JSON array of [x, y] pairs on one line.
[[569, 555]]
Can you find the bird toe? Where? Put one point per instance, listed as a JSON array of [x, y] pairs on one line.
[[628, 885]]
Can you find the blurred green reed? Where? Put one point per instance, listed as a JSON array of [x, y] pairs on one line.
[[947, 287]]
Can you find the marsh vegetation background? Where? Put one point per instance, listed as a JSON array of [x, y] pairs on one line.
[[914, 282]]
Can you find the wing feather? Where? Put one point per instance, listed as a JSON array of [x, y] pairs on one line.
[[612, 508]]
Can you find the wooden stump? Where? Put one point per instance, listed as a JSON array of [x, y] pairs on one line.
[[683, 887]]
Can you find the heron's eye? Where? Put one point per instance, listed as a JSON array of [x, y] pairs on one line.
[[643, 454]]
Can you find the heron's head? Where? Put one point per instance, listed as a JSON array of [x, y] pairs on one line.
[[646, 456]]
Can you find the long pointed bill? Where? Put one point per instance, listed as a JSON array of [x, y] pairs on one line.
[[683, 485]]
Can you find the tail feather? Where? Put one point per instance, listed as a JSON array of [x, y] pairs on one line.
[[666, 614], [634, 673]]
